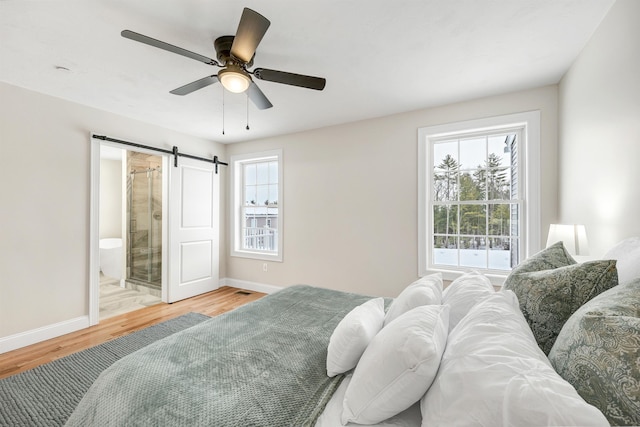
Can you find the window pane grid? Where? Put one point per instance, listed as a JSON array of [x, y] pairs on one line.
[[259, 211], [475, 213]]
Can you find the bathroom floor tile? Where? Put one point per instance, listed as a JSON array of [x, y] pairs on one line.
[[115, 300]]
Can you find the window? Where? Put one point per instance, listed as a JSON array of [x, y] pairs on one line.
[[256, 207], [479, 194]]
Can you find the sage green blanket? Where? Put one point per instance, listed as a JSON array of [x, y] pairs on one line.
[[263, 364]]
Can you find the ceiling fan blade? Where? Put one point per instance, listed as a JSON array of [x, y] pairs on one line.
[[283, 77], [193, 86], [251, 29], [257, 97], [166, 46]]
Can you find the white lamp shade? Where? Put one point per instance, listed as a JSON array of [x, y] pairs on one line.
[[234, 81], [573, 236]]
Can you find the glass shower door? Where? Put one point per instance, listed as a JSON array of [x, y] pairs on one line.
[[145, 226]]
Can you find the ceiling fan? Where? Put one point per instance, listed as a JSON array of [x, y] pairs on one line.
[[235, 56]]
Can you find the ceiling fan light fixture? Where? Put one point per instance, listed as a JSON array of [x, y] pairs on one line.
[[234, 79]]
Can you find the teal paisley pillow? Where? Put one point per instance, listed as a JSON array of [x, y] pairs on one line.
[[550, 287], [598, 352], [552, 257]]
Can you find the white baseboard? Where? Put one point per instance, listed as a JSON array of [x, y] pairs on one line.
[[23, 339], [33, 336], [250, 286]]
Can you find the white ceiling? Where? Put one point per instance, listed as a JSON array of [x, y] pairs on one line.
[[379, 57]]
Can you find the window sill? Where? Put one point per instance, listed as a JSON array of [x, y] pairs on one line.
[[257, 255], [496, 278]]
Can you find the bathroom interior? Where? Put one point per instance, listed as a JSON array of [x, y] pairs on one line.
[[130, 230]]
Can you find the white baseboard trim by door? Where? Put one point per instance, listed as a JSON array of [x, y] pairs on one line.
[[23, 339], [250, 286]]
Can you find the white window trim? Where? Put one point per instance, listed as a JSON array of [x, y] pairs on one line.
[[235, 196], [530, 174]]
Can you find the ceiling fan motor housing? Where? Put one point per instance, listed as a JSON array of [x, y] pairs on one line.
[[223, 51]]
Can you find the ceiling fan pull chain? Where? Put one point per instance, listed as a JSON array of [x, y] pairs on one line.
[[223, 111], [247, 112]]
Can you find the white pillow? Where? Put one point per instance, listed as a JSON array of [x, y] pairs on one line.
[[424, 291], [493, 373], [465, 292], [352, 336], [398, 366], [627, 256], [330, 416]]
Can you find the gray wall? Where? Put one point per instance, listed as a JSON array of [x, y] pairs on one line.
[[110, 198], [599, 167]]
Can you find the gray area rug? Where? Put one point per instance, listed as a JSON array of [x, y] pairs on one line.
[[48, 394]]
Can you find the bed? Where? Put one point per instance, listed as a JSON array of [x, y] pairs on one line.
[[558, 345]]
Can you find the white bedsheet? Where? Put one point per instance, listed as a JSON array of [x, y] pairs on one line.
[[330, 417]]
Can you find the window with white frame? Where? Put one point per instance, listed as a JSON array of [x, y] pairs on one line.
[[256, 205], [479, 197]]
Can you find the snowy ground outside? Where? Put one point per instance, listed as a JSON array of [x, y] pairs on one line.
[[497, 259]]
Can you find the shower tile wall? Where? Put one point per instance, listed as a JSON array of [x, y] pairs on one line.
[[144, 220]]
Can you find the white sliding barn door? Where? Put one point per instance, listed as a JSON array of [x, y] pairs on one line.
[[193, 229]]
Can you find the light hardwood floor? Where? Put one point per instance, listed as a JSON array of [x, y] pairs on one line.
[[211, 304]]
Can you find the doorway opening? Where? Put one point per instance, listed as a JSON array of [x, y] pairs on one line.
[[187, 260], [130, 230]]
